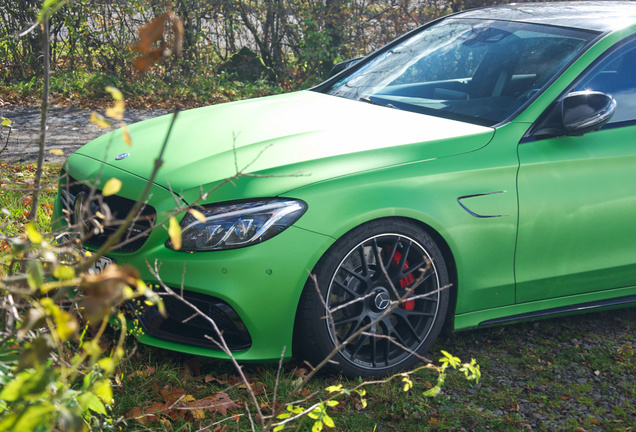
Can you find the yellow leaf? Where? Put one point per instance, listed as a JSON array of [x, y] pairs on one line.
[[99, 120], [197, 215], [5, 122], [125, 135], [33, 234], [328, 421], [141, 287], [111, 187], [174, 231], [56, 152], [65, 324], [317, 427], [107, 364], [115, 93], [63, 272], [116, 111], [104, 391]]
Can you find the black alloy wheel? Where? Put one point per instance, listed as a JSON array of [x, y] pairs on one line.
[[362, 279]]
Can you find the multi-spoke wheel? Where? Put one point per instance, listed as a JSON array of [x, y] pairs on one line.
[[384, 299]]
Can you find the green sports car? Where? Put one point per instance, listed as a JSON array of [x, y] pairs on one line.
[[478, 170]]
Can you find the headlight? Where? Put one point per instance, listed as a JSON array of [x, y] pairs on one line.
[[232, 226]]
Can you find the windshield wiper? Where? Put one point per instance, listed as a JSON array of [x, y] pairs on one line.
[[372, 102]]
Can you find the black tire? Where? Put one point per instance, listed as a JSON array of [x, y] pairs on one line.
[[350, 270]]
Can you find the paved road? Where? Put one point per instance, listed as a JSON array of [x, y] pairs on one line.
[[68, 128]]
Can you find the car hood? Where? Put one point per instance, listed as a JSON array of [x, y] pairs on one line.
[[286, 141]]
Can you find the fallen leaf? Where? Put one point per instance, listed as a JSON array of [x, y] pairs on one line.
[[218, 403], [194, 366], [209, 378], [171, 395]]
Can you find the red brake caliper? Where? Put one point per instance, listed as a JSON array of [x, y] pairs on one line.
[[406, 280]]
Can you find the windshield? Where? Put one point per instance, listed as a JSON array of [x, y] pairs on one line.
[[480, 71]]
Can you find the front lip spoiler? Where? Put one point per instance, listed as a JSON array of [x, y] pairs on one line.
[[577, 308]]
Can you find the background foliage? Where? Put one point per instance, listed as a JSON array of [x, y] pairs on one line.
[[297, 41]]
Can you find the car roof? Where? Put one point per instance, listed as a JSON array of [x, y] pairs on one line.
[[602, 16]]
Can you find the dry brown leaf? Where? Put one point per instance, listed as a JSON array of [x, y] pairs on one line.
[[258, 388], [151, 43], [171, 395], [104, 290], [209, 378], [301, 372], [234, 379], [219, 403], [149, 34], [194, 366], [133, 413], [149, 415]]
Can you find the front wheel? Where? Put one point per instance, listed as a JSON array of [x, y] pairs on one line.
[[360, 279]]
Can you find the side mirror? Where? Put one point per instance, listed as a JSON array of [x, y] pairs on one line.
[[577, 114], [339, 67], [586, 111]]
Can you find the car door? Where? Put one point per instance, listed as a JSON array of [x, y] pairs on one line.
[[577, 196]]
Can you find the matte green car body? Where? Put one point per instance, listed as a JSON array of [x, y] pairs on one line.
[[487, 197]]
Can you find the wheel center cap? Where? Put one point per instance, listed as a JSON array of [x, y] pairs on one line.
[[382, 300]]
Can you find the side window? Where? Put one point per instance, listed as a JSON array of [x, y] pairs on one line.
[[616, 75]]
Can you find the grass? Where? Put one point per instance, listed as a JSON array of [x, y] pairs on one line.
[[16, 198], [531, 375], [16, 186]]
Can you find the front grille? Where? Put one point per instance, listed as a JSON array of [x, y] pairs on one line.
[[118, 207], [184, 325]]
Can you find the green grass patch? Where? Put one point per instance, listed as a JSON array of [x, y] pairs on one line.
[[16, 185]]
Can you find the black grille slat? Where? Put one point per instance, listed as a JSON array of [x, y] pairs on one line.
[[184, 325], [119, 207]]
